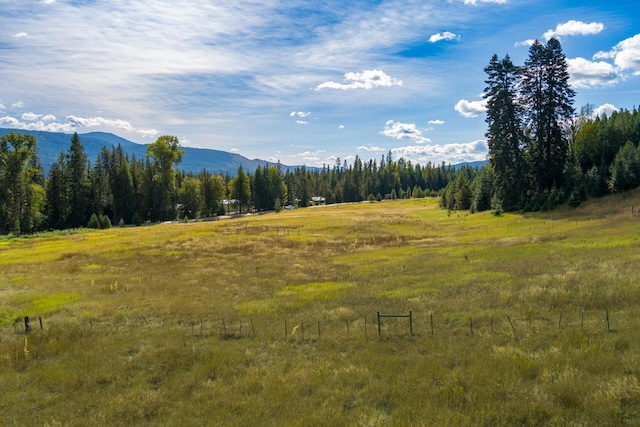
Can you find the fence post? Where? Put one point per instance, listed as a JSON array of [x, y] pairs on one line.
[[410, 323], [27, 324], [431, 320], [379, 332]]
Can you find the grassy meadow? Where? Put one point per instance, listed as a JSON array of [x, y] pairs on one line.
[[522, 319]]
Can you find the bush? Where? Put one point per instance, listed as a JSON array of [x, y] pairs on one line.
[[93, 222], [105, 221], [121, 223], [136, 219]]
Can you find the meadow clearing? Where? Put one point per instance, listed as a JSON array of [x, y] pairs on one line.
[[521, 319]]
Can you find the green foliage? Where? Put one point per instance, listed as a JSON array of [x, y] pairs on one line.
[[94, 222], [136, 219], [105, 221], [625, 170], [121, 223]]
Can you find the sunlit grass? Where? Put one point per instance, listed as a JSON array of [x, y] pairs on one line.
[[271, 319]]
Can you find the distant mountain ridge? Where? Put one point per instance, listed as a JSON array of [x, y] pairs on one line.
[[50, 144]]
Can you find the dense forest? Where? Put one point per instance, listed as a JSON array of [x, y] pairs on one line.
[[118, 189], [540, 152]]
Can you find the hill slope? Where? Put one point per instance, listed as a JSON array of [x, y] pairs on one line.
[[50, 144]]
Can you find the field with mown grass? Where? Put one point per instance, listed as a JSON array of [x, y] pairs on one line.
[[271, 320]]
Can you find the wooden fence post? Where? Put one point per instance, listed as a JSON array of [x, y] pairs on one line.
[[431, 320]]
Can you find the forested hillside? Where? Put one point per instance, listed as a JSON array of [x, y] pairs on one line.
[[50, 144], [115, 188]]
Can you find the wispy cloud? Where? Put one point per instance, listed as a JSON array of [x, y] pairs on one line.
[[574, 28], [21, 35], [436, 122], [528, 42], [475, 2], [368, 79], [373, 149], [300, 114], [398, 130], [471, 108], [443, 36]]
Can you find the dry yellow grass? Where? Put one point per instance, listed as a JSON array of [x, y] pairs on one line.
[[184, 324]]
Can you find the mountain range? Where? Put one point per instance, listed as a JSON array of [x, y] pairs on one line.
[[50, 144]]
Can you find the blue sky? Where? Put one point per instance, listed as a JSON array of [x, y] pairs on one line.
[[303, 82]]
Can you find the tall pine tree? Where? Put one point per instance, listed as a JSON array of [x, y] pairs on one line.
[[547, 101], [504, 135]]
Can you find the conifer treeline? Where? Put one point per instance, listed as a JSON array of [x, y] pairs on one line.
[[118, 189], [540, 152]]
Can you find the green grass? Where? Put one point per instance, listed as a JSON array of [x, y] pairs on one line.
[[184, 324]]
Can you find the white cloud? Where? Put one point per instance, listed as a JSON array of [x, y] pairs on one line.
[[234, 150], [301, 114], [2, 107], [310, 157], [398, 130], [625, 55], [471, 108], [20, 35], [372, 149], [48, 1], [31, 116], [575, 28], [528, 42], [301, 122], [341, 127], [585, 73], [152, 132], [18, 104], [87, 122], [444, 36], [48, 123], [10, 121], [475, 2], [449, 153], [436, 122], [367, 79], [604, 110]]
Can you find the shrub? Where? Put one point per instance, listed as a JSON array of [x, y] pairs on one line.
[[136, 219], [105, 221], [93, 222]]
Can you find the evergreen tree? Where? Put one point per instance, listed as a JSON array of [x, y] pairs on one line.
[[504, 135], [240, 189], [548, 100], [78, 183], [57, 206]]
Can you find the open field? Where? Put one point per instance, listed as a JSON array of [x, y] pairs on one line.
[[271, 320]]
